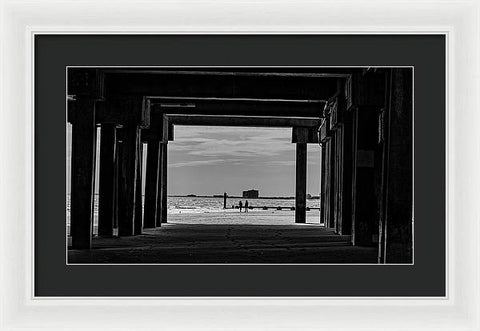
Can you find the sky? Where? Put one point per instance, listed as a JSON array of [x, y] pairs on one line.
[[213, 160]]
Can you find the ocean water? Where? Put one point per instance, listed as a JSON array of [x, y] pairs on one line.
[[178, 205], [211, 208]]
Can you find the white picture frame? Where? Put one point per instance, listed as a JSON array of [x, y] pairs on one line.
[[459, 21]]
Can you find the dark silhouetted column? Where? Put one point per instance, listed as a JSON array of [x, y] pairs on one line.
[[151, 184], [126, 185], [158, 214], [164, 196], [83, 170], [399, 171], [301, 183], [138, 188], [322, 186], [106, 180]]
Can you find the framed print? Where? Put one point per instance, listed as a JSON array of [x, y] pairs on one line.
[[228, 174]]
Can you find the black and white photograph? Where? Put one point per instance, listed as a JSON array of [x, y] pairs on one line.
[[239, 165]]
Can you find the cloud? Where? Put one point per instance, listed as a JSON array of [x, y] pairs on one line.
[[248, 147], [195, 163], [224, 142], [282, 163], [290, 163]]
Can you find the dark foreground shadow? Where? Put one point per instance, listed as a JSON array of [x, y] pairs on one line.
[[193, 243]]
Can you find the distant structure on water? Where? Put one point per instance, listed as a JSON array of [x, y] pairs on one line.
[[250, 194]]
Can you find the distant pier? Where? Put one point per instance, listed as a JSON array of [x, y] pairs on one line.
[[276, 207]]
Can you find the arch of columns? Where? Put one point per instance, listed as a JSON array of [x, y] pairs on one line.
[[357, 116]]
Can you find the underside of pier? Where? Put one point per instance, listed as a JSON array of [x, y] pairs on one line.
[[361, 118]]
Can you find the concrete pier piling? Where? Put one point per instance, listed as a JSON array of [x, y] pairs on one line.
[[151, 184], [138, 188], [301, 183], [163, 181], [83, 170], [106, 205], [158, 212], [126, 187]]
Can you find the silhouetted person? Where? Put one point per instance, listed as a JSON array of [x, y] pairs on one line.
[[240, 205], [246, 206]]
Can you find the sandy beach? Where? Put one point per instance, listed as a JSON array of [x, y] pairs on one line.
[[229, 237]]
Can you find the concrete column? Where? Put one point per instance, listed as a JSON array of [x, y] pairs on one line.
[[151, 184], [328, 180], [106, 180], [83, 170], [338, 184], [164, 164], [368, 99], [322, 185], [138, 188], [158, 213], [347, 156], [364, 214], [332, 177], [301, 184], [399, 171], [116, 181], [126, 185]]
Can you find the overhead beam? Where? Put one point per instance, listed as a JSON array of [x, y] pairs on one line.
[[236, 71], [144, 112], [237, 106], [85, 81], [155, 130], [255, 121], [159, 99], [121, 110], [177, 84], [305, 135]]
